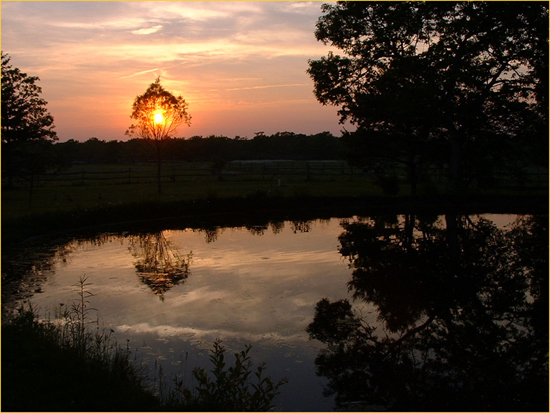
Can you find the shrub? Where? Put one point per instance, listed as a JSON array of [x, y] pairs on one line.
[[230, 389]]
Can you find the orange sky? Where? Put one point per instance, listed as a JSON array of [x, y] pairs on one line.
[[239, 65]]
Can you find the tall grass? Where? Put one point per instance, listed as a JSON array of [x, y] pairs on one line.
[[68, 362]]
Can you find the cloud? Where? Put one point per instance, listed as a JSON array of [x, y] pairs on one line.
[[209, 335], [149, 30], [90, 52], [267, 86], [140, 73]]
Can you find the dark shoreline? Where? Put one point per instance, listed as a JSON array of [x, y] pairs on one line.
[[260, 208]]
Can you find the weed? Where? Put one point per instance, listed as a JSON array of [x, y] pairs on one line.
[[230, 389], [67, 367], [85, 369]]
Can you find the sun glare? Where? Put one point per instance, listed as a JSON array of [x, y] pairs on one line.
[[158, 117]]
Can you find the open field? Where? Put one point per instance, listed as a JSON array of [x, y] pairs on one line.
[[85, 187], [92, 186], [97, 194], [91, 195]]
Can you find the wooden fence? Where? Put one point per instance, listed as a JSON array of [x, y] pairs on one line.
[[536, 179], [236, 170]]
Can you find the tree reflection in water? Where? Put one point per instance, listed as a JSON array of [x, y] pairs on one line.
[[463, 316], [159, 266]]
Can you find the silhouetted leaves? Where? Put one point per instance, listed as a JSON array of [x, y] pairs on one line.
[[27, 126], [172, 110], [461, 85]]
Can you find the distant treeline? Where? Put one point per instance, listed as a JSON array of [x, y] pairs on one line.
[[282, 145]]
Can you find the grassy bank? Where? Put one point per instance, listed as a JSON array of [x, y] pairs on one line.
[[64, 365], [94, 187], [41, 371]]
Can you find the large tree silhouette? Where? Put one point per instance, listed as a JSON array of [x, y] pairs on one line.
[[460, 84]]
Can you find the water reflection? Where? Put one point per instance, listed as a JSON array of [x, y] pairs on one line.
[[300, 226], [462, 310], [159, 265], [411, 324]]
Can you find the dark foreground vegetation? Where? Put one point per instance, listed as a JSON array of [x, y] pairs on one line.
[[68, 364], [63, 378]]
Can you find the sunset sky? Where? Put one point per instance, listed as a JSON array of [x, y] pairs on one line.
[[240, 65]]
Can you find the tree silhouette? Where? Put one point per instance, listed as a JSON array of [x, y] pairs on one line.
[[158, 114], [27, 126], [463, 312], [459, 84]]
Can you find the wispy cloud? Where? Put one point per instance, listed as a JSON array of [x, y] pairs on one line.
[[140, 73], [149, 30], [267, 86], [208, 334]]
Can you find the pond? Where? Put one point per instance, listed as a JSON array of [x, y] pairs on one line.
[[399, 312]]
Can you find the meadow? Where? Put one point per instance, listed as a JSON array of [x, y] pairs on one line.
[[87, 195], [92, 186]]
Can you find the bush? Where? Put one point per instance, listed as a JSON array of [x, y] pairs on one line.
[[46, 369], [231, 388]]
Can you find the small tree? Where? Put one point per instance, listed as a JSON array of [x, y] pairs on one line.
[[158, 114]]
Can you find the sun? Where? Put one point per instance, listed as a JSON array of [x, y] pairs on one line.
[[158, 118]]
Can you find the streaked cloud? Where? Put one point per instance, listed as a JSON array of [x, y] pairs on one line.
[[208, 335], [267, 86], [140, 73], [149, 30]]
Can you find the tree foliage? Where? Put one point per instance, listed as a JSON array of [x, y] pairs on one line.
[[158, 114], [281, 145], [157, 101], [24, 113], [462, 316], [27, 126], [461, 84]]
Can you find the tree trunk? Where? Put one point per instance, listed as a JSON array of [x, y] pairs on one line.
[[31, 187], [453, 182], [410, 220], [451, 221], [412, 175], [159, 167]]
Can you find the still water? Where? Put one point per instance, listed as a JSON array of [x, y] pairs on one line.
[[358, 313]]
